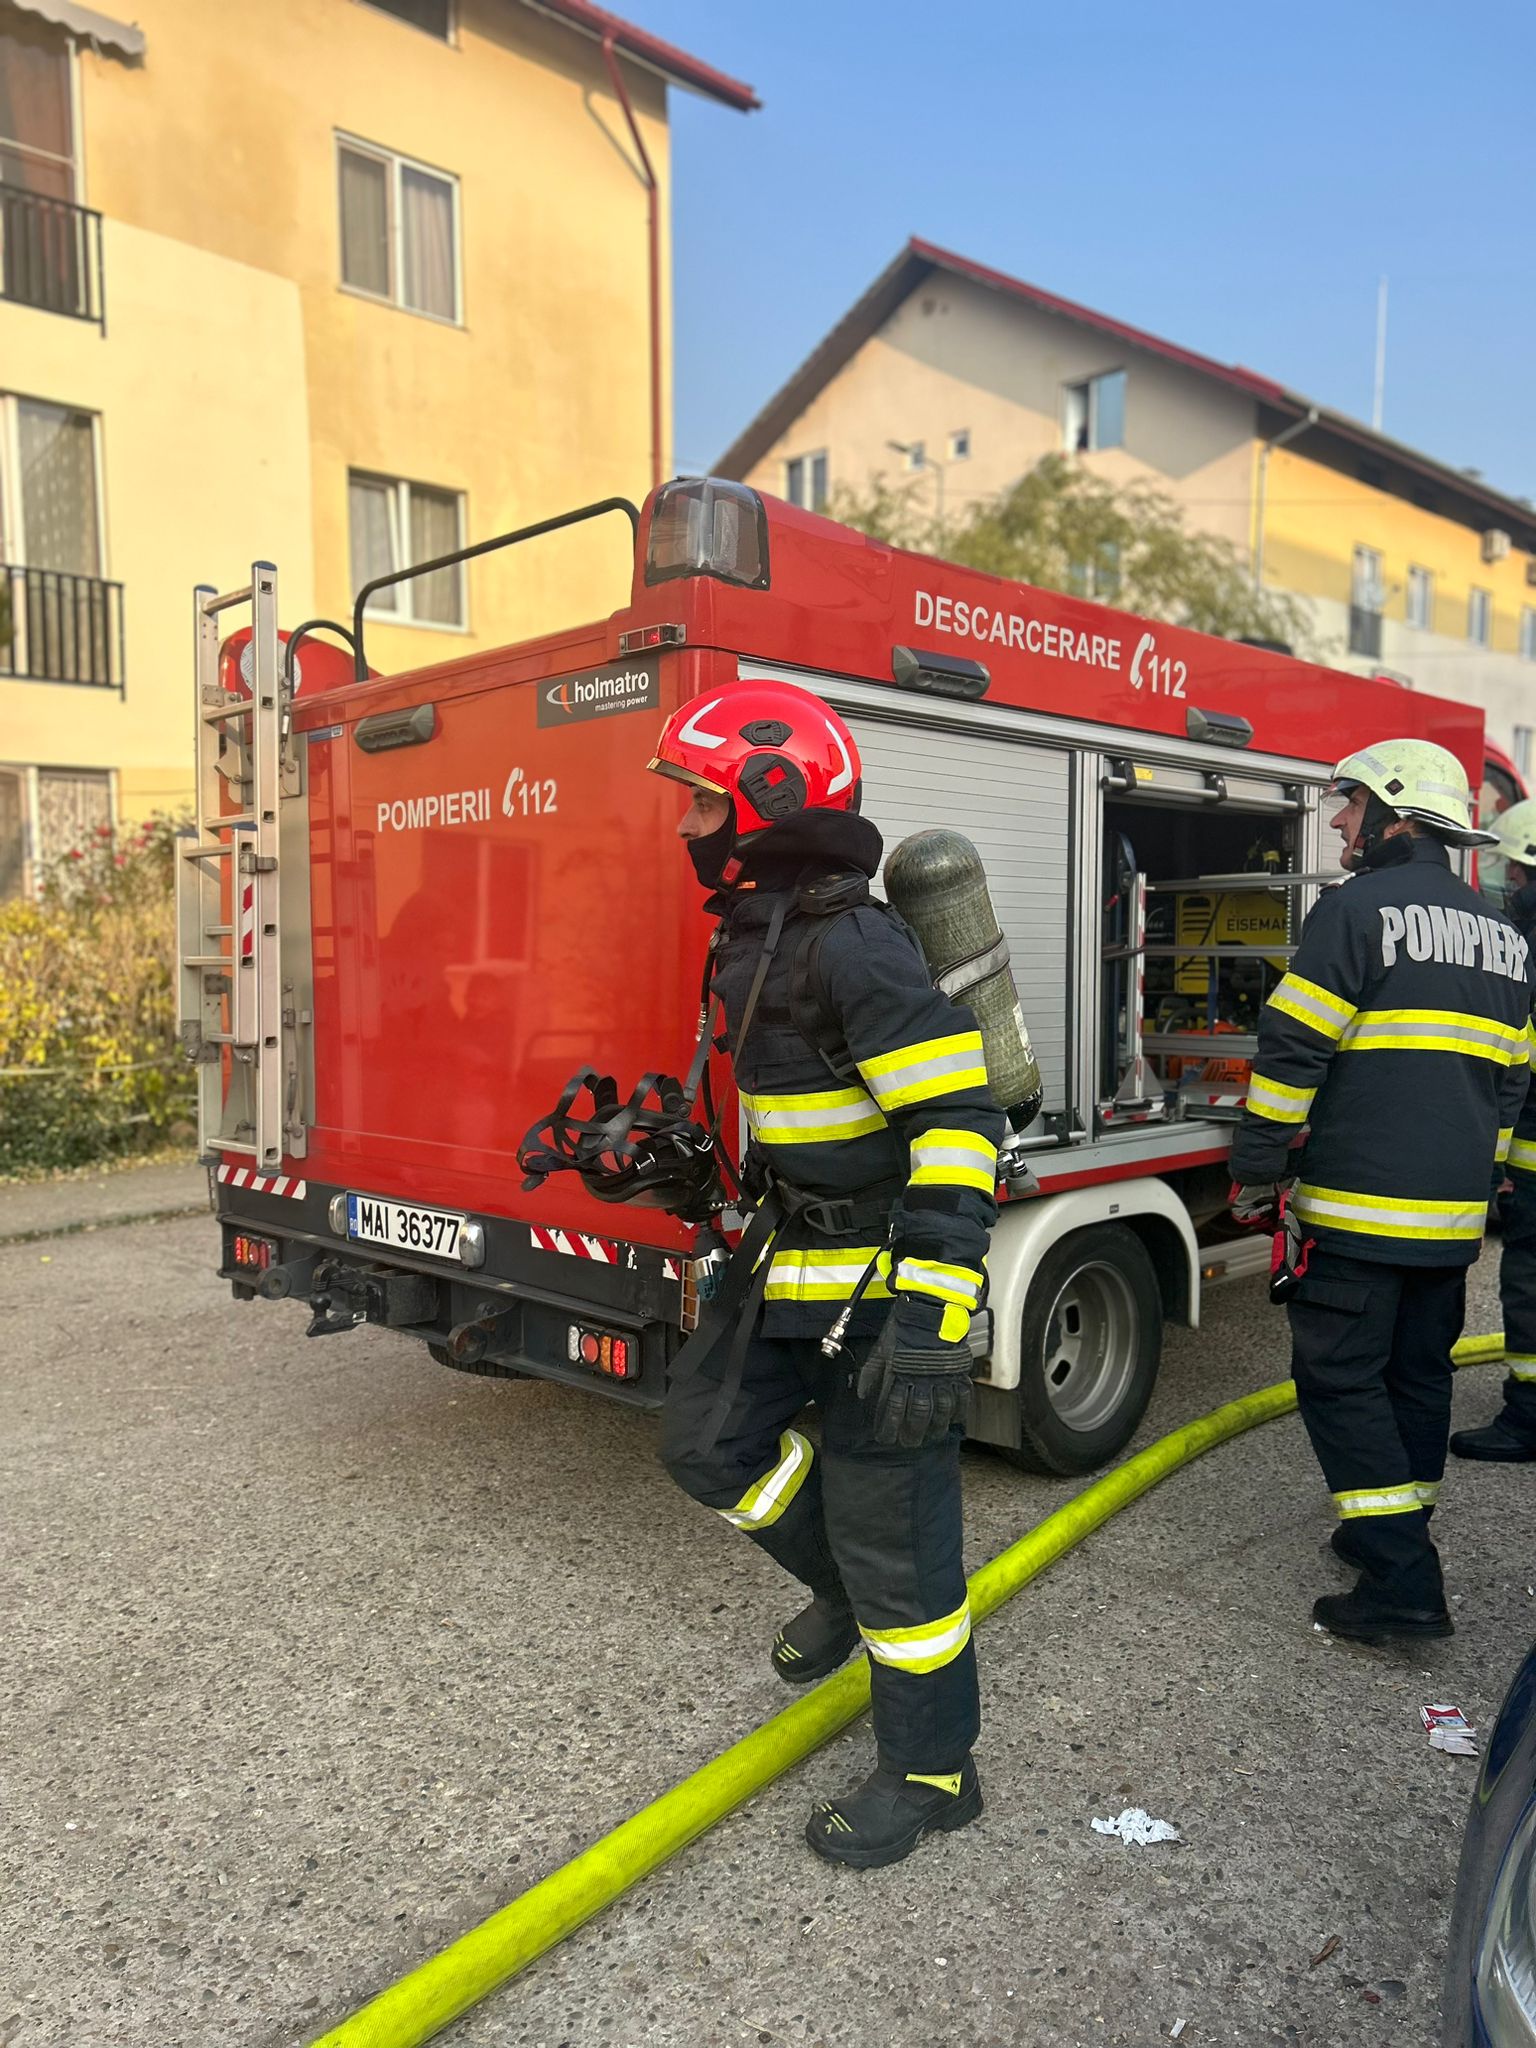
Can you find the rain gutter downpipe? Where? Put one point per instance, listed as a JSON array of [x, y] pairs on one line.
[[653, 237], [1296, 427]]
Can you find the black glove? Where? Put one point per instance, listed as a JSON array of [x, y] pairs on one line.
[[920, 1387]]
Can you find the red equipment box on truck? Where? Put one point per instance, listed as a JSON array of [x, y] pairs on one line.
[[415, 905]]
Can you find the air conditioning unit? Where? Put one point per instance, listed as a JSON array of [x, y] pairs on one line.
[[1495, 544]]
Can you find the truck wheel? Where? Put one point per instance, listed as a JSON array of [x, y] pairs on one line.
[[1092, 1336]]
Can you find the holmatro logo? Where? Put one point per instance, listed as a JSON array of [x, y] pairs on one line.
[[599, 693]]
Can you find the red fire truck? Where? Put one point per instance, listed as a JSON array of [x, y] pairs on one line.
[[415, 905]]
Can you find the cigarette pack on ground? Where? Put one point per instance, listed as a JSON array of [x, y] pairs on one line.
[[1449, 1729]]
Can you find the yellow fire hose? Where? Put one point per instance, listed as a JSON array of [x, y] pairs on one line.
[[424, 2001]]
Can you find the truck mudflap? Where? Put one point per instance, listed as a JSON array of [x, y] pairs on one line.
[[491, 1295]]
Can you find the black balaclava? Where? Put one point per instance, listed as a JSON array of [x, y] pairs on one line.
[[776, 856]]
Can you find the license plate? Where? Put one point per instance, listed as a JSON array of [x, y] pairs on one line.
[[404, 1226]]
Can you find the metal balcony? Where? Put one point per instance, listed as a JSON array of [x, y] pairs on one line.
[[50, 255], [56, 627], [1365, 631]]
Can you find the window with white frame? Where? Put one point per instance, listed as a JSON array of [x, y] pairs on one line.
[[396, 524], [1521, 750], [1479, 616], [806, 479], [916, 453], [960, 444], [435, 16], [1528, 632], [1093, 413], [399, 229], [1421, 599], [50, 510]]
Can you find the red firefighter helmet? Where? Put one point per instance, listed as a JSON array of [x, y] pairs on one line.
[[772, 748]]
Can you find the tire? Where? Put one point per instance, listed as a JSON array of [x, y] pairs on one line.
[[1091, 1340]]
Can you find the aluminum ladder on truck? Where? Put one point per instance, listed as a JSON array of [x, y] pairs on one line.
[[235, 1025]]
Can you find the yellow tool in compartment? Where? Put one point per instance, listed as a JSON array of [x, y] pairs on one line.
[[1226, 917]]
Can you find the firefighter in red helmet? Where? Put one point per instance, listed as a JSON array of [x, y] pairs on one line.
[[872, 1160]]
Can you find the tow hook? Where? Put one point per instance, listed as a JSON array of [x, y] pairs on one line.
[[336, 1305]]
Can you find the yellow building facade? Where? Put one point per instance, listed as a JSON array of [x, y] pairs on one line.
[[952, 381], [340, 284]]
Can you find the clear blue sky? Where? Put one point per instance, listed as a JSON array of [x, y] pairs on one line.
[[1234, 178]]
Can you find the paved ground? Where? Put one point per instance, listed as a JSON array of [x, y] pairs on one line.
[[95, 1201], [320, 1652]]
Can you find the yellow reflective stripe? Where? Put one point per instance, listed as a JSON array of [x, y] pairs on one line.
[[1428, 1491], [824, 1274], [1460, 1031], [953, 1159], [1390, 1215], [1378, 1500], [1522, 1153], [959, 1284], [1522, 1364], [1311, 1004], [949, 1783], [1278, 1100], [917, 1073], [761, 1505], [924, 1647], [822, 1117], [954, 1324], [1501, 1150]]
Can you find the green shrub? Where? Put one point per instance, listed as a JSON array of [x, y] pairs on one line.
[[89, 1063]]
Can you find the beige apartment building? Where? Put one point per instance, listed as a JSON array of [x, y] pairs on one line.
[[957, 379], [339, 284]]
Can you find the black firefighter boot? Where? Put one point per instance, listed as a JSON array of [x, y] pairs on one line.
[[816, 1641], [1498, 1442], [1400, 1595], [889, 1814]]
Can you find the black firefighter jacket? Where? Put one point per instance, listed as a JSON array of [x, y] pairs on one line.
[[1400, 1035], [1522, 1150], [917, 1122]]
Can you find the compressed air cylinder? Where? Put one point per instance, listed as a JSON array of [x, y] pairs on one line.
[[936, 881]]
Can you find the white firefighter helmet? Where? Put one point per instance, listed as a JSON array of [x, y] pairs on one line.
[[1515, 832], [1418, 780]]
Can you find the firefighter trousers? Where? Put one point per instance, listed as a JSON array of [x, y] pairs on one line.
[[1371, 1357], [850, 1517], [1517, 1295]]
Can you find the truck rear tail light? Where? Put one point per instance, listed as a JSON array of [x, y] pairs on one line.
[[639, 638], [603, 1351], [255, 1252], [704, 526]]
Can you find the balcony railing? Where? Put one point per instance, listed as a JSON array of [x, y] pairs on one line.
[[50, 255], [56, 627], [1365, 631]]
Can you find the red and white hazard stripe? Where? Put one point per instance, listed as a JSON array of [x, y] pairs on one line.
[[575, 1244], [263, 1183]]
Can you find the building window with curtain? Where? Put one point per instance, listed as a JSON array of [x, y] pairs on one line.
[[61, 623], [1093, 413], [37, 150], [399, 230], [396, 524]]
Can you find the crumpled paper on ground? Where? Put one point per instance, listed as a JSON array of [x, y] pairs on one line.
[[1135, 1824]]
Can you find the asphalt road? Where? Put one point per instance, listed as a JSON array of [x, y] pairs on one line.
[[315, 1653]]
